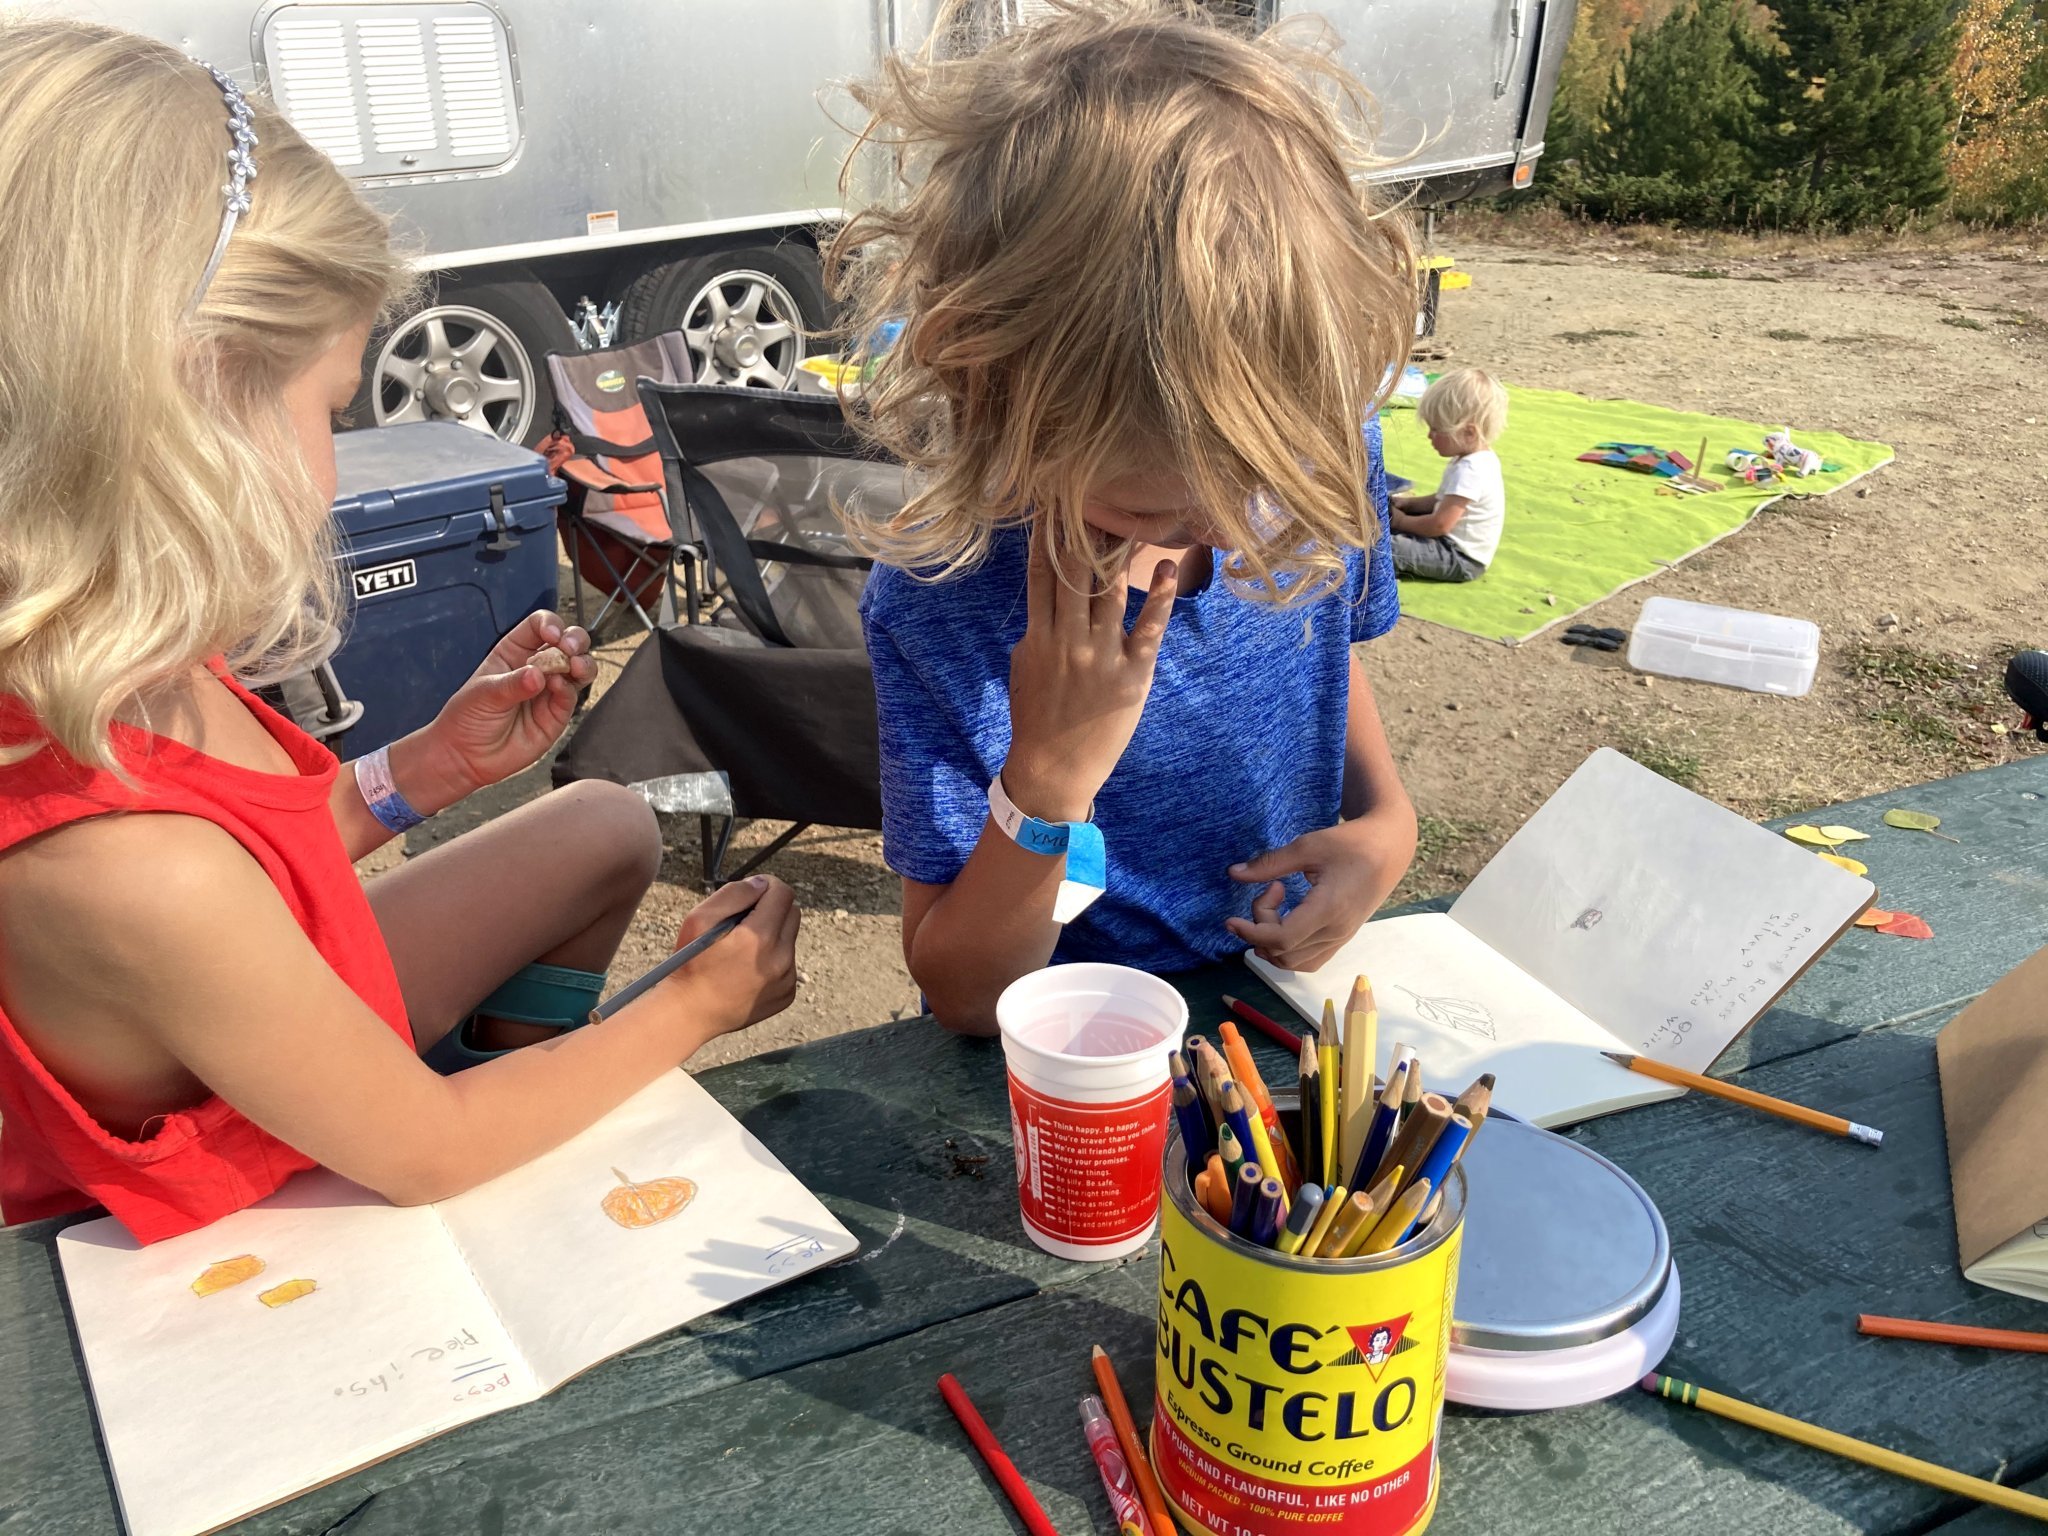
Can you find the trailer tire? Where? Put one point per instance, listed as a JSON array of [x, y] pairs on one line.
[[773, 300], [518, 322]]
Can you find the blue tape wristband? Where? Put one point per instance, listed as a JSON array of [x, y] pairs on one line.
[[380, 793], [1080, 841]]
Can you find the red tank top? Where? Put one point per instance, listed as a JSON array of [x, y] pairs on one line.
[[201, 1163]]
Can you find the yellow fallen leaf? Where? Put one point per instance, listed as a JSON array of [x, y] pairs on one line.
[[1854, 866], [228, 1272], [1845, 834], [291, 1290], [1874, 917], [1812, 837]]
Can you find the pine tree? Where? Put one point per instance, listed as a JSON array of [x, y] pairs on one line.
[[1575, 123], [1861, 89], [1685, 102]]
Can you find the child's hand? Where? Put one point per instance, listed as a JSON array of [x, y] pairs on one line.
[[1352, 867], [505, 718], [750, 974], [1078, 684]]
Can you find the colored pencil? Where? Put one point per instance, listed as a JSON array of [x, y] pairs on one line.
[[1192, 1050], [1394, 1227], [1233, 1152], [1302, 1217], [1127, 1436], [1261, 1143], [1311, 1110], [1327, 1062], [1354, 1218], [1417, 1135], [1843, 1445], [1476, 1101], [1319, 1230], [1218, 1201], [1195, 1133], [1246, 1073], [1380, 1138], [1281, 1036], [1361, 1038], [1835, 1124], [1953, 1333], [1444, 1151], [1114, 1467], [674, 962], [1412, 1094], [1213, 1073], [1383, 1192], [1244, 1198], [983, 1439], [1267, 1214]]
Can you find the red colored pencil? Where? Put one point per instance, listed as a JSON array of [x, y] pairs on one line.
[[1953, 1333], [1005, 1470], [1278, 1034]]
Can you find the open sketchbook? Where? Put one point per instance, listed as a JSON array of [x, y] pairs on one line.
[[1627, 915], [321, 1330], [1994, 1101]]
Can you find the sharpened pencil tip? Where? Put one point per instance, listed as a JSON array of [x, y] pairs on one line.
[[1618, 1058], [1096, 1351], [1486, 1081]]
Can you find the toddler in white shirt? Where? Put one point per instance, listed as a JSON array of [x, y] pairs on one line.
[[1451, 536]]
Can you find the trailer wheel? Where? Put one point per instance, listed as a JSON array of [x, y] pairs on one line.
[[476, 354], [745, 313]]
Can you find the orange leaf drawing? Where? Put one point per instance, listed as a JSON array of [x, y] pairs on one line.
[[1906, 926], [1874, 917], [634, 1205]]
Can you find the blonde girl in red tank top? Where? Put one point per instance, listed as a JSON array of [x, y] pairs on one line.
[[198, 997]]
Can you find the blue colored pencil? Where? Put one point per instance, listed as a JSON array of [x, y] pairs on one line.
[[1238, 1117], [1195, 1135], [1450, 1141], [1244, 1198], [1384, 1121], [1266, 1214]]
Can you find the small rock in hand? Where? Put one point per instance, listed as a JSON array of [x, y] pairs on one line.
[[550, 661]]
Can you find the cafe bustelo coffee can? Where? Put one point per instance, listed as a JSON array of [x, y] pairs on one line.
[[1297, 1396]]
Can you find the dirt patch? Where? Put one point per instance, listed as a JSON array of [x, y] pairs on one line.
[[1922, 579]]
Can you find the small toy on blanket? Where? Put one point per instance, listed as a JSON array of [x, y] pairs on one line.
[[1640, 457]]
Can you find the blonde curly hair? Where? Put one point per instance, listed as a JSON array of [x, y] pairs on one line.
[[1124, 238], [154, 509]]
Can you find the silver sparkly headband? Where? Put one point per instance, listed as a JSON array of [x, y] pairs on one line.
[[241, 171]]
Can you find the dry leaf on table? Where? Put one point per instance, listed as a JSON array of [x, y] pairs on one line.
[[1845, 835], [1917, 821], [1874, 917], [1854, 866], [1812, 837], [1905, 925]]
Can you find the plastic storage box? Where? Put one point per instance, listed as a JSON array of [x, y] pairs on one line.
[[1763, 652], [448, 539]]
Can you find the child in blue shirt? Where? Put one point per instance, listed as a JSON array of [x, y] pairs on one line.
[[1147, 307]]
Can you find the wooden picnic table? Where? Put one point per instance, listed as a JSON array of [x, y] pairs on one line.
[[812, 1409]]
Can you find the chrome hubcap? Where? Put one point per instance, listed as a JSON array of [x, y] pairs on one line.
[[451, 363], [744, 328]]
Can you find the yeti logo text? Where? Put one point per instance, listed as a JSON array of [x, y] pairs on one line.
[[380, 580]]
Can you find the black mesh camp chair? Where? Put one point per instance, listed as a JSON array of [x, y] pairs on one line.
[[768, 710]]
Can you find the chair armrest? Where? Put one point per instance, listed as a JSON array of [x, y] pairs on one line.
[[593, 478]]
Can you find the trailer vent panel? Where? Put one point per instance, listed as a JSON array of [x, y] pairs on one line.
[[398, 89]]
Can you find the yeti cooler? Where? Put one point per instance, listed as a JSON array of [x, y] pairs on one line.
[[447, 540]]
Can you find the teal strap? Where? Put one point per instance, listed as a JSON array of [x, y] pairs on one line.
[[553, 996]]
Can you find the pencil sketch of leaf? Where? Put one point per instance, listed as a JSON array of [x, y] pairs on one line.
[[1453, 1013]]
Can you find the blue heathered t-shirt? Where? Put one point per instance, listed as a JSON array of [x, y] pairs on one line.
[[1240, 747]]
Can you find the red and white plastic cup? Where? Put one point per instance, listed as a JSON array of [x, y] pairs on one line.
[[1090, 1096]]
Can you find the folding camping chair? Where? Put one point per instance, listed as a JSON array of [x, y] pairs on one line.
[[771, 706], [615, 525]]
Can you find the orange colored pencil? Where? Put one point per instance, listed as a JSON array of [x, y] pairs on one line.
[[1245, 1072], [1953, 1333], [1714, 1087], [1126, 1429]]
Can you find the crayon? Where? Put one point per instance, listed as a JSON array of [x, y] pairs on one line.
[[1266, 1217], [1302, 1217], [1244, 1198]]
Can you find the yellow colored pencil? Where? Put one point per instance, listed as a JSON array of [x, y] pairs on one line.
[[1325, 1218], [1361, 1037], [2031, 1505], [1327, 1058], [1356, 1217], [1400, 1217]]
